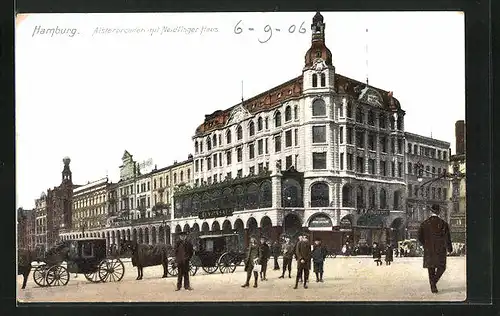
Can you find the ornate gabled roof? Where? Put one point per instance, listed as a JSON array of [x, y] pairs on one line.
[[126, 155], [367, 94], [262, 102]]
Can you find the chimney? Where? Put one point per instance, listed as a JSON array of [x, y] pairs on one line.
[[460, 137]]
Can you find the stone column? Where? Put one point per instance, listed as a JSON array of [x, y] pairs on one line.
[[150, 232], [276, 188]]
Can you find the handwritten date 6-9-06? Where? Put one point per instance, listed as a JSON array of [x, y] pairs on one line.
[[239, 27]]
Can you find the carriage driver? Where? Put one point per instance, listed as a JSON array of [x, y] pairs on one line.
[[183, 253]]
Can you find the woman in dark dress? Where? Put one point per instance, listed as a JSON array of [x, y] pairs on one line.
[[388, 255]]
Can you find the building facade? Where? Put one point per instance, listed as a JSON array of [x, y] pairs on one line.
[[41, 222], [433, 155], [319, 152], [458, 223], [26, 224]]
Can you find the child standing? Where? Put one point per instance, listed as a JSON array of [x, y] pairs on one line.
[[318, 255], [377, 254]]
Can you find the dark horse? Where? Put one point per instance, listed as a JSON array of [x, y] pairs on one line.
[[146, 256], [25, 257], [54, 256]]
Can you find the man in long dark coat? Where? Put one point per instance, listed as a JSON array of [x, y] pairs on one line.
[[288, 252], [276, 251], [252, 258], [434, 235], [183, 253], [264, 255], [303, 255]]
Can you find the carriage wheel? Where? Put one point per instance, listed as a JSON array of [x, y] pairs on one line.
[[93, 277], [57, 275], [111, 270], [226, 263], [172, 267], [194, 263], [210, 270], [40, 275]]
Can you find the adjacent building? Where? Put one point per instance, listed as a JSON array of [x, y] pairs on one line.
[[26, 224], [320, 152], [457, 166], [433, 156]]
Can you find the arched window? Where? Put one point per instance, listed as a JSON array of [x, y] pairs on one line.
[[265, 198], [196, 146], [186, 207], [397, 200], [288, 113], [189, 175], [259, 124], [228, 137], [371, 198], [371, 118], [382, 121], [209, 143], [196, 206], [349, 110], [206, 202], [400, 123], [228, 198], [239, 132], [383, 199], [318, 107], [315, 80], [182, 176], [295, 112], [251, 128], [277, 119], [266, 123], [240, 198], [323, 80], [216, 199], [360, 197], [347, 196], [320, 195], [175, 178], [291, 193], [252, 196]]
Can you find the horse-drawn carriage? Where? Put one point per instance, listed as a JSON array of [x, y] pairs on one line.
[[212, 253], [87, 256]]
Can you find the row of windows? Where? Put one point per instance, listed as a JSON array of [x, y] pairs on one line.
[[427, 151], [87, 213], [429, 192], [360, 166], [174, 177], [251, 170], [429, 172], [159, 198], [315, 80], [396, 144], [89, 201], [256, 196], [128, 204], [212, 141]]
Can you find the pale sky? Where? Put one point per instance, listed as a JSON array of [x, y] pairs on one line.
[[92, 96]]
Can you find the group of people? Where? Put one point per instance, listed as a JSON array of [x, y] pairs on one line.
[[433, 235], [258, 255]]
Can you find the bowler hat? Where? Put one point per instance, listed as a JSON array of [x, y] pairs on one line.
[[435, 209]]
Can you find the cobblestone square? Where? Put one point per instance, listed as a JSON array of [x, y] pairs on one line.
[[345, 279]]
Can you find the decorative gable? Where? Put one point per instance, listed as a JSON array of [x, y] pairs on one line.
[[371, 96], [238, 114]]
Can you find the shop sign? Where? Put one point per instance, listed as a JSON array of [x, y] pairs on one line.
[[320, 221], [345, 224], [215, 213], [373, 212]]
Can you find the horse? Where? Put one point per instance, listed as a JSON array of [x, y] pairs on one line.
[[144, 255], [25, 258]]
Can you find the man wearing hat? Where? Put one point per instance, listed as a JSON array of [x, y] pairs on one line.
[[265, 254], [318, 255], [434, 235], [288, 251], [303, 255], [183, 253]]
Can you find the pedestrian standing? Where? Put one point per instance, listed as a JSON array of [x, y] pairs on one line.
[[377, 254], [388, 255], [252, 259], [434, 235], [299, 239], [288, 252], [303, 255], [397, 251], [183, 253], [318, 255], [264, 255], [401, 252], [276, 251]]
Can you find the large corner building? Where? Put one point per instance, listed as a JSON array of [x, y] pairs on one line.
[[320, 152]]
